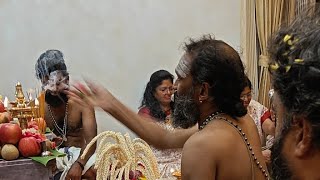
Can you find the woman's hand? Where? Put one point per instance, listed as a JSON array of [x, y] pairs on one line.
[[267, 155]]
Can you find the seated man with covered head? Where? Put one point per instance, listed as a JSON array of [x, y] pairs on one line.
[[74, 124]]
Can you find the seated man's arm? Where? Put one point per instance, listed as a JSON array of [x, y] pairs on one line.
[[198, 161], [268, 126], [89, 125], [89, 132]]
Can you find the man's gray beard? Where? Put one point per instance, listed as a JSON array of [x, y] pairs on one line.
[[279, 165], [186, 112]]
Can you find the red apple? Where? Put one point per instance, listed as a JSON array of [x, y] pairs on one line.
[[10, 133]]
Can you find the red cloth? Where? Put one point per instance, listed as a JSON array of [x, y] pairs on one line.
[[265, 116], [145, 112]]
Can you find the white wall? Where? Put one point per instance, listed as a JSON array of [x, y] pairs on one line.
[[116, 42]]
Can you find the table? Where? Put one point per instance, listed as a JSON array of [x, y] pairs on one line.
[[24, 169]]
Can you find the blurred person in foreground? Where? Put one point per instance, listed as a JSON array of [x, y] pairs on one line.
[[295, 75]]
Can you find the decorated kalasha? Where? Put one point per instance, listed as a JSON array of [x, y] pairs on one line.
[[22, 127]]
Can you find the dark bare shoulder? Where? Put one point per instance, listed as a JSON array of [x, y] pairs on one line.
[[218, 139], [215, 147], [75, 107], [204, 151], [247, 121], [250, 128], [210, 141], [215, 132]]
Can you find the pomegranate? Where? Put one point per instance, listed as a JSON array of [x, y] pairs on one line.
[[28, 146], [33, 124], [5, 117], [9, 152], [2, 108], [10, 133]]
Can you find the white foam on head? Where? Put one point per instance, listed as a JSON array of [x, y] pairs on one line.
[[184, 66], [49, 61], [57, 82]]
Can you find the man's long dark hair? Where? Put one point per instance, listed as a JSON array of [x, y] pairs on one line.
[[149, 100], [219, 65]]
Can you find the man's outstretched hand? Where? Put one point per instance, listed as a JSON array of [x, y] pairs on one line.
[[90, 94]]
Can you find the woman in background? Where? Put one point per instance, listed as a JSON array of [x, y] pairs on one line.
[[262, 118], [158, 105], [156, 102]]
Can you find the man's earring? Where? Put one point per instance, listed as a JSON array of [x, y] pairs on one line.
[[200, 101]]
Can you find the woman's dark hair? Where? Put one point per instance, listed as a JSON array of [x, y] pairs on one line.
[[149, 100], [219, 65], [247, 83], [295, 69]]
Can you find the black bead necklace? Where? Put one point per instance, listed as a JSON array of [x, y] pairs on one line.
[[215, 115]]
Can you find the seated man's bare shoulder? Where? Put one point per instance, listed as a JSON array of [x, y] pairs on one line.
[[75, 107], [74, 115], [81, 117], [78, 110]]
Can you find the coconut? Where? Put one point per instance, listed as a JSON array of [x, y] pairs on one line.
[[9, 152]]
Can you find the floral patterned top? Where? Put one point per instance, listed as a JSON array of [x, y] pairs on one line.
[[169, 160], [256, 112]]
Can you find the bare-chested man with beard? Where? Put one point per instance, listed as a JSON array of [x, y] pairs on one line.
[[74, 124], [210, 76]]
